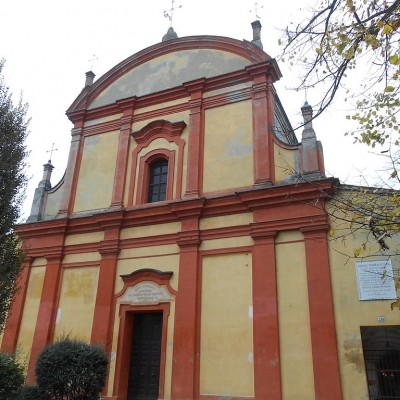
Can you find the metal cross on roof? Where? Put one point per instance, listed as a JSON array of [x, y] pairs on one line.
[[170, 16], [92, 61], [256, 10], [51, 152]]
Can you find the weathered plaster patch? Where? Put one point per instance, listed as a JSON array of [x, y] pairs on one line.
[[353, 353], [236, 147], [90, 142], [35, 286], [81, 285], [170, 70]]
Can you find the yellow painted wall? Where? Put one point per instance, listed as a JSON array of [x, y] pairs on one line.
[[84, 238], [150, 251], [161, 106], [294, 321], [31, 309], [284, 162], [77, 301], [228, 89], [350, 312], [53, 202], [102, 120], [162, 263], [228, 147], [150, 230], [226, 344], [39, 262], [226, 221], [82, 257], [226, 243], [98, 165]]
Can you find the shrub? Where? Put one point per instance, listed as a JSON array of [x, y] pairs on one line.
[[30, 393], [12, 376], [71, 370]]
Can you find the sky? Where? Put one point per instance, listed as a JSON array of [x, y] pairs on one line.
[[50, 44]]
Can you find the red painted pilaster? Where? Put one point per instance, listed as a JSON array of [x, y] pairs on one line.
[[186, 303], [261, 143], [271, 124], [72, 166], [127, 107], [195, 157], [109, 250], [102, 324], [47, 311], [267, 369], [13, 324], [183, 367], [322, 319]]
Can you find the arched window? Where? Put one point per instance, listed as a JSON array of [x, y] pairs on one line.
[[158, 178]]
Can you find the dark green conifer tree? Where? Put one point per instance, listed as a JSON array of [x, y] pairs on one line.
[[13, 181]]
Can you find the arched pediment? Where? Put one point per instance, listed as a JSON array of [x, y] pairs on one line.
[[146, 286], [167, 65], [155, 128]]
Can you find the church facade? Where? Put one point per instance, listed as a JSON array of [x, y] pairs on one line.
[[189, 236]]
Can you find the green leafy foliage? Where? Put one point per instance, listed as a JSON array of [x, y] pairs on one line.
[[365, 221], [30, 393], [353, 45], [343, 35], [71, 370], [13, 181], [12, 376]]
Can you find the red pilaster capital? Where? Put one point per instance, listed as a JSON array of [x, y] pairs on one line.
[[76, 134], [110, 220], [127, 105], [195, 88], [77, 117], [314, 231], [260, 71], [262, 233], [54, 259], [188, 208], [27, 261], [109, 248], [189, 240]]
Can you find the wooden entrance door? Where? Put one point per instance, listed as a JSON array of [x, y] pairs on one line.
[[144, 370]]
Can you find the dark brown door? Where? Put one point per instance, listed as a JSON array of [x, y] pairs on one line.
[[144, 370]]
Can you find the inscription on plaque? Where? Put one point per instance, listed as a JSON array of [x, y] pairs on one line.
[[146, 293], [375, 280]]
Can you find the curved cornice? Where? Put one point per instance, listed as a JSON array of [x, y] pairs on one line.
[[154, 128], [243, 49]]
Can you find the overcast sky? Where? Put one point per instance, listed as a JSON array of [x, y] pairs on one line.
[[47, 45]]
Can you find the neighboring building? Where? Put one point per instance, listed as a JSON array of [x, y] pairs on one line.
[[189, 237]]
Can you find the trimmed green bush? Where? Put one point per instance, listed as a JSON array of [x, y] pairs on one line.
[[71, 370], [12, 376], [30, 393]]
